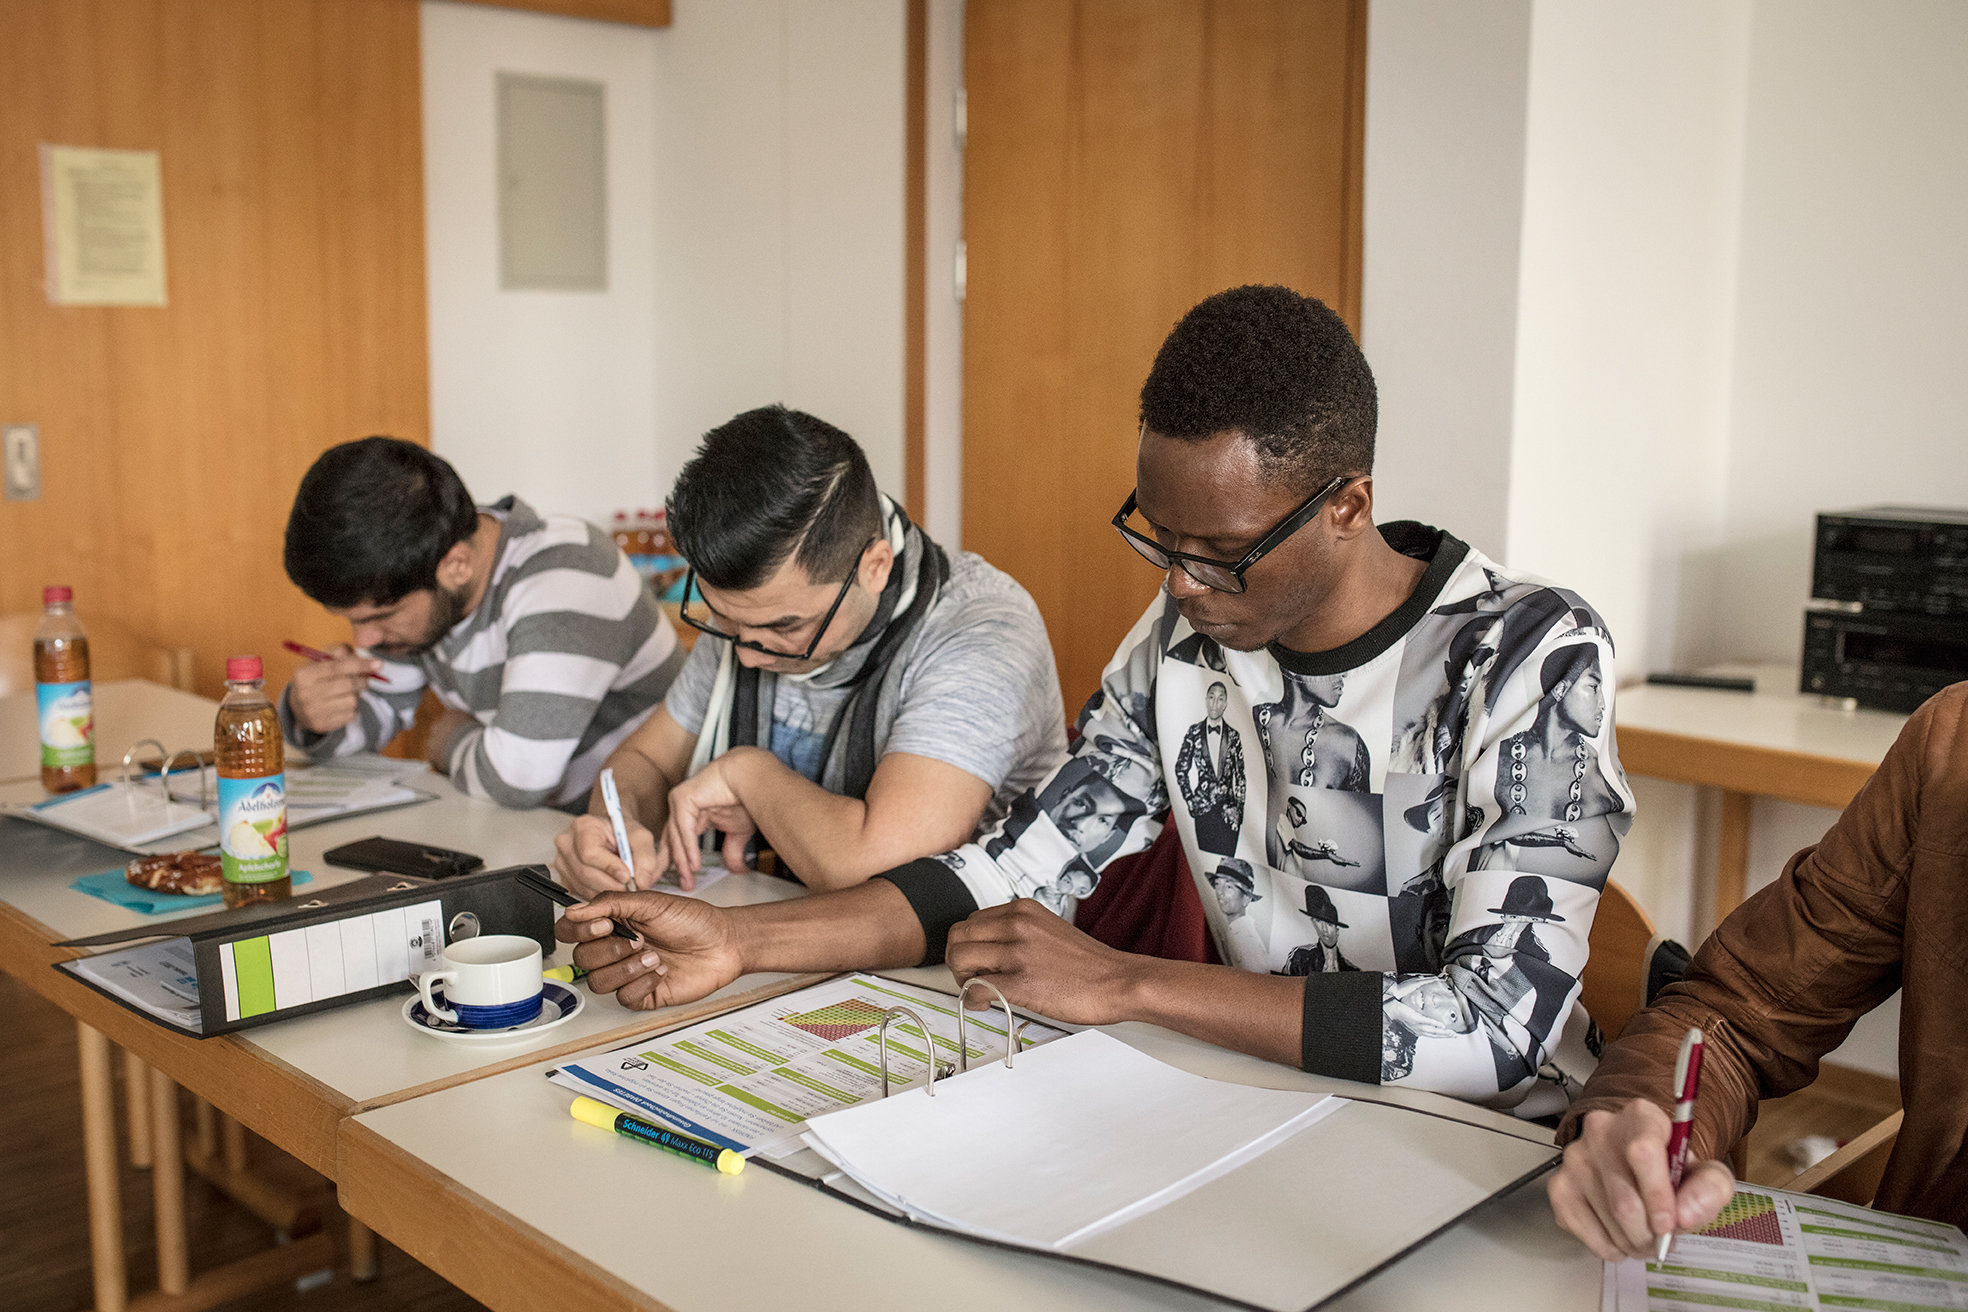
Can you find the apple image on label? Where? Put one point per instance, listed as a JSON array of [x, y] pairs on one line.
[[66, 732], [245, 842]]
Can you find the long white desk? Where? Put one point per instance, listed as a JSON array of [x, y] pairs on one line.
[[496, 1188], [127, 712], [293, 1082]]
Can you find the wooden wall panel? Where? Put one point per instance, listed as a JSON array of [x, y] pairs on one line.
[[173, 439], [1125, 160]]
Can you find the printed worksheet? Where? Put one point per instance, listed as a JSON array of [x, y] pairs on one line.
[[1775, 1250], [158, 977], [749, 1079]]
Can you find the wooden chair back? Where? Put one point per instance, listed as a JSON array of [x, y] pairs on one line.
[[1614, 983], [1852, 1174], [115, 652]]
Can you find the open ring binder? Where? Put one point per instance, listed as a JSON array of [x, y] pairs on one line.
[[936, 1068]]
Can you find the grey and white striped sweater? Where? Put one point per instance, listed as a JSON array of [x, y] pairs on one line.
[[566, 653]]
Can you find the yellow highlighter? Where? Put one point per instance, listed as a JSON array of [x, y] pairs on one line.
[[603, 1117]]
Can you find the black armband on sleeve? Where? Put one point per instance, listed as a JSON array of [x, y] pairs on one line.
[[1342, 1030], [937, 896]]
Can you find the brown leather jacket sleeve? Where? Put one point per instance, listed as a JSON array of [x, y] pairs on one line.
[[1786, 976]]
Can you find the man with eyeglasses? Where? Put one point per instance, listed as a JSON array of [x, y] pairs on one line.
[[858, 697], [1338, 646]]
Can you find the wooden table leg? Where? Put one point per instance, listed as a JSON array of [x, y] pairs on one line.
[[206, 1118], [1732, 854], [167, 1186], [99, 1151], [362, 1250], [234, 1135], [136, 1089]]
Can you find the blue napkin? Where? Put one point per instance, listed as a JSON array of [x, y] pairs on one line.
[[114, 887]]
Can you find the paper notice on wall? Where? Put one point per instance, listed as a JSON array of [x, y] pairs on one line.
[[103, 225]]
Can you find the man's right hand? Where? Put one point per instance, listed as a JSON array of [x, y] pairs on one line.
[[1612, 1189], [325, 695], [587, 862], [687, 950]]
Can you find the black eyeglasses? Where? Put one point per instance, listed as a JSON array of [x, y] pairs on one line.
[[1223, 575], [708, 627]]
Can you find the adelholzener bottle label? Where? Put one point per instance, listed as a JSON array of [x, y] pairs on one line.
[[253, 828], [68, 724]]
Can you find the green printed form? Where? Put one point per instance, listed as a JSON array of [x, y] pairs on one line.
[[1879, 1304], [825, 1090], [715, 1058], [1024, 1040], [749, 1049], [753, 1100], [1905, 1225], [866, 1068], [665, 1060], [1840, 1232], [252, 965], [1891, 1268], [1729, 1277], [1716, 1300]]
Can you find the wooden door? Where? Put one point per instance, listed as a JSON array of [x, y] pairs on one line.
[[173, 438], [1124, 159]]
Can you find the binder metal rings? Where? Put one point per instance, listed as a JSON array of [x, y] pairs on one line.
[[1011, 1024], [166, 762], [889, 1017]]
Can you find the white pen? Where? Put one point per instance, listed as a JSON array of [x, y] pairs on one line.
[[613, 801]]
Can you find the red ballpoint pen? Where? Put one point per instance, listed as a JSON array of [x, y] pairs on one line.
[[316, 654], [1687, 1083]]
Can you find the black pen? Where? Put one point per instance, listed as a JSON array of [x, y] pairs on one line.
[[553, 892]]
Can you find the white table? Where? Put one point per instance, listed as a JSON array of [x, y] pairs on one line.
[[1775, 742], [127, 712], [294, 1081], [542, 1213]]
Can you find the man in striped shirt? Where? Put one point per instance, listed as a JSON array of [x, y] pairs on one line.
[[534, 631]]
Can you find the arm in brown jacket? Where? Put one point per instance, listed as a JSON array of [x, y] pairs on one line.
[[1785, 977]]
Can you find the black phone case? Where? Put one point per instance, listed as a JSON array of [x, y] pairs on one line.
[[397, 857]]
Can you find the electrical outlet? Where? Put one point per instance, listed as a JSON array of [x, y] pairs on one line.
[[20, 456]]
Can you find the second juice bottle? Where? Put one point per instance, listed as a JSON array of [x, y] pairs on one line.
[[252, 789]]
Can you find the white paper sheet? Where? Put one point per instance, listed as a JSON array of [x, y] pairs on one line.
[[1078, 1137], [156, 977]]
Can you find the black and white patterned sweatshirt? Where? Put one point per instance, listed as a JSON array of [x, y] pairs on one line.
[[1419, 822]]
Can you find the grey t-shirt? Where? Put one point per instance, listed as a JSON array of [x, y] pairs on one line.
[[978, 690]]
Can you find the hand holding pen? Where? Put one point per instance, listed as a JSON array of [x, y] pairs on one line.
[[1626, 1187]]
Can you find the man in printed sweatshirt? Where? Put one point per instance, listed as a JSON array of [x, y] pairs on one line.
[[1434, 728]]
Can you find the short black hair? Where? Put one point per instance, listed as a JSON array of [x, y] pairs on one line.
[[372, 520], [1280, 368], [770, 484]]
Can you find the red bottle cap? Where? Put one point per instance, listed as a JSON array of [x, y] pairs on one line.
[[241, 668], [49, 596]]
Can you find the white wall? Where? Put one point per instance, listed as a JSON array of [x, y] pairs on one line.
[[1736, 302], [1625, 307], [755, 244], [1850, 382], [1444, 192], [546, 394]]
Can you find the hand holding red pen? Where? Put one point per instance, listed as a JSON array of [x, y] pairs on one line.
[[326, 693], [1615, 1189]]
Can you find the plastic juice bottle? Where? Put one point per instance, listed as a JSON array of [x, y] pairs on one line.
[[63, 696], [252, 789]]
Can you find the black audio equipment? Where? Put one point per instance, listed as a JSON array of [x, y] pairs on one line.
[[1894, 558], [1887, 660]]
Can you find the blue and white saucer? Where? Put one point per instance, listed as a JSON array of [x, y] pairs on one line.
[[558, 1005]]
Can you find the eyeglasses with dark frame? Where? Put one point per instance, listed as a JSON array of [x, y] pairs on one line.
[[1223, 575], [706, 627]]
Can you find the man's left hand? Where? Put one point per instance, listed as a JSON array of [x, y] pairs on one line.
[[1039, 961], [708, 799]]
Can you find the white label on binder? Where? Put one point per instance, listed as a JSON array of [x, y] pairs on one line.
[[297, 966]]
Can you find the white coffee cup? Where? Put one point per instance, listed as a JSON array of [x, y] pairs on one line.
[[490, 982]]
